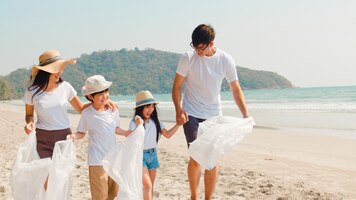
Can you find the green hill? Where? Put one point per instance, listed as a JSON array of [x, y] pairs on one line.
[[136, 70]]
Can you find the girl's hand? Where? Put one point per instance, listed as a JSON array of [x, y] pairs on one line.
[[29, 127], [138, 120]]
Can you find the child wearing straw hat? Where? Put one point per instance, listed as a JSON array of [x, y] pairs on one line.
[[102, 124], [146, 108]]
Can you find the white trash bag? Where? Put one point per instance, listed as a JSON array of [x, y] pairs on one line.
[[60, 174], [124, 165], [216, 137], [29, 172]]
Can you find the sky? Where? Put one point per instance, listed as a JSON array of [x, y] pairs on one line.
[[310, 42]]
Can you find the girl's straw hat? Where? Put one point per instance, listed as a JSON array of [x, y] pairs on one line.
[[51, 62], [144, 98], [95, 84]]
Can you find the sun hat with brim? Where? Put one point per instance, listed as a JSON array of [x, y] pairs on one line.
[[51, 62], [144, 98], [95, 84]]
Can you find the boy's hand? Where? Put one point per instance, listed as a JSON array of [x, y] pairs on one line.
[[71, 137], [138, 120]]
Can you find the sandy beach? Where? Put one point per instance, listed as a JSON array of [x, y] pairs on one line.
[[268, 164]]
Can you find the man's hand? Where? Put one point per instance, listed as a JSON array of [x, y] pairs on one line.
[[181, 117]]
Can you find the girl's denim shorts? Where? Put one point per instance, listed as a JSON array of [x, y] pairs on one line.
[[150, 159]]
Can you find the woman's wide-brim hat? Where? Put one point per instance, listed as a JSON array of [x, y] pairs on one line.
[[144, 98], [51, 62], [94, 84]]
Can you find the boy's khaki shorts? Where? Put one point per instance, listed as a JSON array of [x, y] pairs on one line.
[[102, 187]]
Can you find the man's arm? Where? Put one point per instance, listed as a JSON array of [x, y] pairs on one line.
[[181, 116], [239, 97]]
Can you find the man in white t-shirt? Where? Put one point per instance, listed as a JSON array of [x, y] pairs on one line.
[[203, 71]]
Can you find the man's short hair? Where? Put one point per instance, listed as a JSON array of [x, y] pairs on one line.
[[203, 34]]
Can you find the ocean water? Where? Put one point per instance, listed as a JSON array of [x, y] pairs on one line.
[[319, 109], [318, 99]]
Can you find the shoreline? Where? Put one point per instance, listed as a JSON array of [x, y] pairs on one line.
[[266, 164]]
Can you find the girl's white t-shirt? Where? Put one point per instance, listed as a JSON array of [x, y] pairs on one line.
[[150, 133], [51, 107], [101, 131], [203, 78]]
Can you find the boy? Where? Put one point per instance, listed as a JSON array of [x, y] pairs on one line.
[[102, 124]]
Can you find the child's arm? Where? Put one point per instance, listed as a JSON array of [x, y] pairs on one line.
[[170, 132], [120, 131], [75, 136]]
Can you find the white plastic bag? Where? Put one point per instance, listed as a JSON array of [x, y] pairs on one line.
[[124, 165], [216, 137], [60, 174], [29, 172]]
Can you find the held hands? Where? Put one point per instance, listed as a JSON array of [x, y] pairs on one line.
[[29, 127], [181, 117]]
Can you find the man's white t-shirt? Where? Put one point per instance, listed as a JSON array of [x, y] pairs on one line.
[[51, 107], [203, 78], [101, 130], [150, 133]]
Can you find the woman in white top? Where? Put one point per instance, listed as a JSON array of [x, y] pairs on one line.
[[48, 95]]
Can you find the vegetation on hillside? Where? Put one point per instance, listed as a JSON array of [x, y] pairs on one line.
[[135, 70]]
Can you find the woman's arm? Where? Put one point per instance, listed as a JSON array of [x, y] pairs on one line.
[[170, 132], [30, 125]]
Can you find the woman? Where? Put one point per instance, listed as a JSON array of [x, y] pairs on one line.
[[48, 95]]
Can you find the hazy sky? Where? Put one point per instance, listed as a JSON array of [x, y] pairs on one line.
[[310, 42]]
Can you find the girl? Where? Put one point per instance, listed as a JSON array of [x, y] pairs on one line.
[[146, 108]]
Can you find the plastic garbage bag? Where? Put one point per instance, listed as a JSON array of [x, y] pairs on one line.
[[216, 137], [124, 165], [60, 173], [29, 172]]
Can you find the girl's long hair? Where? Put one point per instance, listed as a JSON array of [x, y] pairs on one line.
[[40, 82], [154, 116]]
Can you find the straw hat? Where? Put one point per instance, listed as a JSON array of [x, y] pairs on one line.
[[144, 98], [51, 62], [95, 84]]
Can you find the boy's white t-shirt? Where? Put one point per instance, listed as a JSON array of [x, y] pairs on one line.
[[51, 107], [203, 77], [150, 133], [101, 130]]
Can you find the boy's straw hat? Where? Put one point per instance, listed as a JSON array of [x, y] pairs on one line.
[[95, 84], [144, 98], [51, 62]]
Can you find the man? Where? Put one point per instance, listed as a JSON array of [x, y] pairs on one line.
[[203, 71]]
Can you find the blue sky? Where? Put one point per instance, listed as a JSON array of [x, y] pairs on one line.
[[310, 42]]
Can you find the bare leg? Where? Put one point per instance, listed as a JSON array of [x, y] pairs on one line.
[[147, 184], [210, 178], [152, 173], [194, 177]]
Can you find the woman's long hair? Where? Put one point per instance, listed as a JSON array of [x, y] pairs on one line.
[[40, 82], [154, 116]]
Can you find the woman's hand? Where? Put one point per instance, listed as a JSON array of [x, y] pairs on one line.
[[112, 105], [29, 127]]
